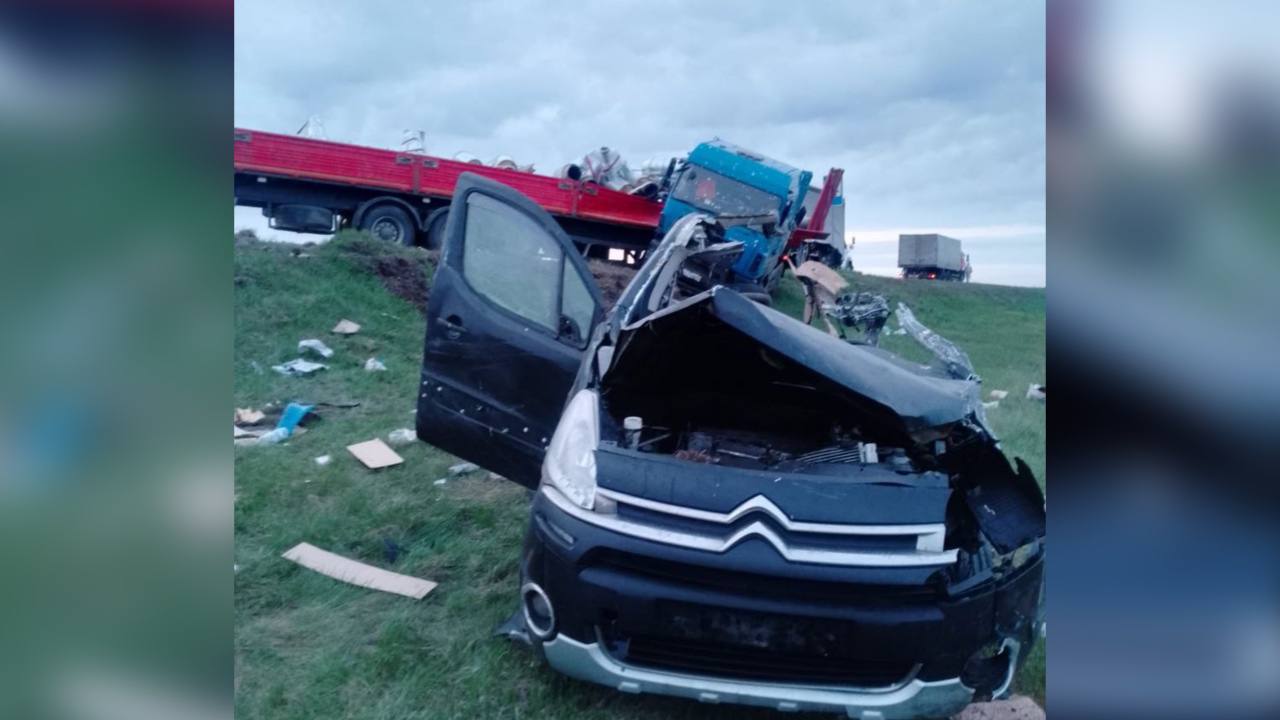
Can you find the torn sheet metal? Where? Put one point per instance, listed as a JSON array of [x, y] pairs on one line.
[[953, 358]]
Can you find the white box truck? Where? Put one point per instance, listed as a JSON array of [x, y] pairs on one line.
[[931, 256]]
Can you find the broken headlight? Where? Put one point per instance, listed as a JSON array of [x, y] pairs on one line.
[[570, 465]]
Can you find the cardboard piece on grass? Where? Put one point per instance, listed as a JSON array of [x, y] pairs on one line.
[[249, 416], [357, 573], [375, 454], [346, 327]]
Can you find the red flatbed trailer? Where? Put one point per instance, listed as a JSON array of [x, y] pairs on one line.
[[275, 171], [373, 189]]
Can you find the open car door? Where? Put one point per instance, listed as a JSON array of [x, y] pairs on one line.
[[510, 313]]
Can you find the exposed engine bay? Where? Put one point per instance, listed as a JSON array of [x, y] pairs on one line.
[[717, 380]]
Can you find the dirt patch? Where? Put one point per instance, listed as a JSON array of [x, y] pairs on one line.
[[406, 278], [404, 272], [611, 278], [1018, 707]]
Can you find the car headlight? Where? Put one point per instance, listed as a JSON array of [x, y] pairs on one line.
[[570, 463]]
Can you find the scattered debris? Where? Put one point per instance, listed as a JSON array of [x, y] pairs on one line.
[[286, 428], [316, 346], [292, 415], [999, 394], [1018, 707], [262, 436], [346, 327], [900, 331], [513, 628], [826, 291], [298, 367], [956, 361], [257, 368], [495, 476], [463, 468], [275, 436], [375, 454], [441, 481], [403, 436], [357, 573], [374, 365], [991, 405], [324, 460], [249, 416], [1035, 392]]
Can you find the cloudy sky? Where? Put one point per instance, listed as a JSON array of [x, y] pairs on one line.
[[935, 110]]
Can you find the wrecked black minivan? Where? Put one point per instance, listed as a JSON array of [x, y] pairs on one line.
[[730, 506]]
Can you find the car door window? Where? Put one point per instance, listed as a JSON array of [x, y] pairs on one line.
[[512, 261], [577, 308]]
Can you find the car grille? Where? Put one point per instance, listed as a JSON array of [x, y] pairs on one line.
[[756, 585], [742, 663]]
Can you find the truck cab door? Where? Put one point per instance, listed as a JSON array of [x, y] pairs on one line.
[[511, 311]]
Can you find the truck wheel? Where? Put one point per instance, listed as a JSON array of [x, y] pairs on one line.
[[391, 224], [435, 228]]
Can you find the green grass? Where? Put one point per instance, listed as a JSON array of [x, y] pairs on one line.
[[307, 646]]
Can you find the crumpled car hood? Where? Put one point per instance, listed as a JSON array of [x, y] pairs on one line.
[[920, 397]]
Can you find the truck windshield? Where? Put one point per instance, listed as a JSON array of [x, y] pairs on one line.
[[720, 195]]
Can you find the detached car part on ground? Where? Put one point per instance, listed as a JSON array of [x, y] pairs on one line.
[[730, 506]]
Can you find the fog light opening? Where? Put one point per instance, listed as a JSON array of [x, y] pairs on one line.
[[990, 674], [539, 615]]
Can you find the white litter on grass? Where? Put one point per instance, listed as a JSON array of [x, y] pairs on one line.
[[298, 367], [899, 331], [346, 327], [316, 346], [276, 436], [441, 481], [324, 460], [999, 394], [463, 468], [374, 365], [403, 436], [1035, 392], [991, 405]]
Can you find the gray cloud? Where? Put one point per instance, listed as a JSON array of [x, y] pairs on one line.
[[935, 110]]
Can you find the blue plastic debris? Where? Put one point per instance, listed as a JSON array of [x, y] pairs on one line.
[[289, 419]]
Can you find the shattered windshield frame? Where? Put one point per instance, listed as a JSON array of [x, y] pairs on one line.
[[722, 196]]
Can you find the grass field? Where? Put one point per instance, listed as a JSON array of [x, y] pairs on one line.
[[307, 646]]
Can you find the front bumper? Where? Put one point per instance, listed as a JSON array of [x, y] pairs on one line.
[[912, 699], [626, 609]]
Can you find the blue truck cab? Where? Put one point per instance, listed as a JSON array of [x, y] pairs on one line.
[[758, 199]]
